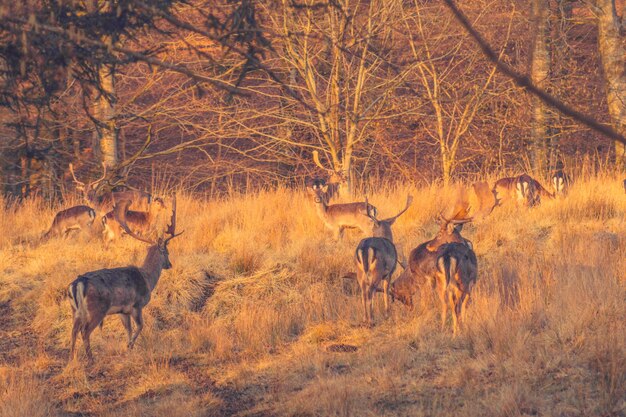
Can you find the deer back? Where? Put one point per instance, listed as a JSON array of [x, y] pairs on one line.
[[380, 249]]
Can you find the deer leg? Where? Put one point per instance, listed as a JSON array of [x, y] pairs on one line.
[[454, 304], [364, 299], [444, 307], [86, 333], [464, 301], [129, 328], [138, 319], [75, 329], [386, 295], [370, 296]]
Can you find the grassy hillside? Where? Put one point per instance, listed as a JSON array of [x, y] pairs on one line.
[[254, 318]]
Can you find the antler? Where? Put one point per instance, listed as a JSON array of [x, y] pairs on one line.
[[454, 221], [409, 200], [74, 176], [119, 212], [93, 184], [316, 159], [171, 228]]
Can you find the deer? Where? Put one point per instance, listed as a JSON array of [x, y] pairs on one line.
[[73, 218], [337, 181], [125, 291], [520, 190], [337, 217], [143, 222], [376, 259], [457, 270], [104, 203], [422, 267], [476, 201], [560, 183]]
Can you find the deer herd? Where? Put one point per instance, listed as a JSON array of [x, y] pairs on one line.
[[446, 264]]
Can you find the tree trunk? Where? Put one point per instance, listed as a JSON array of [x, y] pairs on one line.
[[106, 114], [540, 74], [612, 57]]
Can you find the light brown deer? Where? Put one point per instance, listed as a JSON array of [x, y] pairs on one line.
[[338, 217], [376, 259], [104, 202], [457, 270], [517, 190], [74, 218], [476, 201], [142, 222], [125, 291]]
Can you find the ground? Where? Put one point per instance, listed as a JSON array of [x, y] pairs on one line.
[[255, 318]]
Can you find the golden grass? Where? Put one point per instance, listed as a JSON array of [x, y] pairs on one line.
[[255, 319]]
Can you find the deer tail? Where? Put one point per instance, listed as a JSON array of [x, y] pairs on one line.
[[76, 293], [447, 264]]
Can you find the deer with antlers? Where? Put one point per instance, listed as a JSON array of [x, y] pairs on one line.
[[376, 259], [74, 218], [336, 183], [338, 217], [91, 193], [142, 222], [125, 291]]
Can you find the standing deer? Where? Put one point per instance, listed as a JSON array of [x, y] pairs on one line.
[[476, 201], [73, 218], [337, 182], [422, 268], [104, 203], [376, 259], [560, 183], [142, 222], [457, 269], [337, 217], [125, 291]]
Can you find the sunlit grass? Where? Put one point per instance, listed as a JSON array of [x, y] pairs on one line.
[[254, 314]]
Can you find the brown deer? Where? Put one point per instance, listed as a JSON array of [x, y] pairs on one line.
[[105, 202], [337, 217], [337, 182], [476, 201], [376, 259], [125, 291], [560, 183], [517, 190], [422, 268], [74, 218], [142, 222], [457, 269]]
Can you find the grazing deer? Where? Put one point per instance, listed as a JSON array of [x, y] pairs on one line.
[[520, 190], [560, 183], [73, 218], [337, 181], [422, 268], [337, 217], [476, 201], [142, 222], [103, 203], [376, 259], [457, 269], [125, 291]]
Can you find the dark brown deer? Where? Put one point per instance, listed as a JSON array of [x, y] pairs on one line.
[[142, 222], [457, 269], [376, 259], [74, 218], [124, 291], [422, 269], [104, 202]]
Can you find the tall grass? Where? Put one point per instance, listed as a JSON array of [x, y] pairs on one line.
[[255, 318]]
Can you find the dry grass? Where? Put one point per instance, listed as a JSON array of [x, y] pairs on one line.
[[255, 319]]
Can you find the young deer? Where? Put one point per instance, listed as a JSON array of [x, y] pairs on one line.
[[73, 218], [422, 269], [457, 269], [337, 217], [142, 222], [124, 291], [376, 259]]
